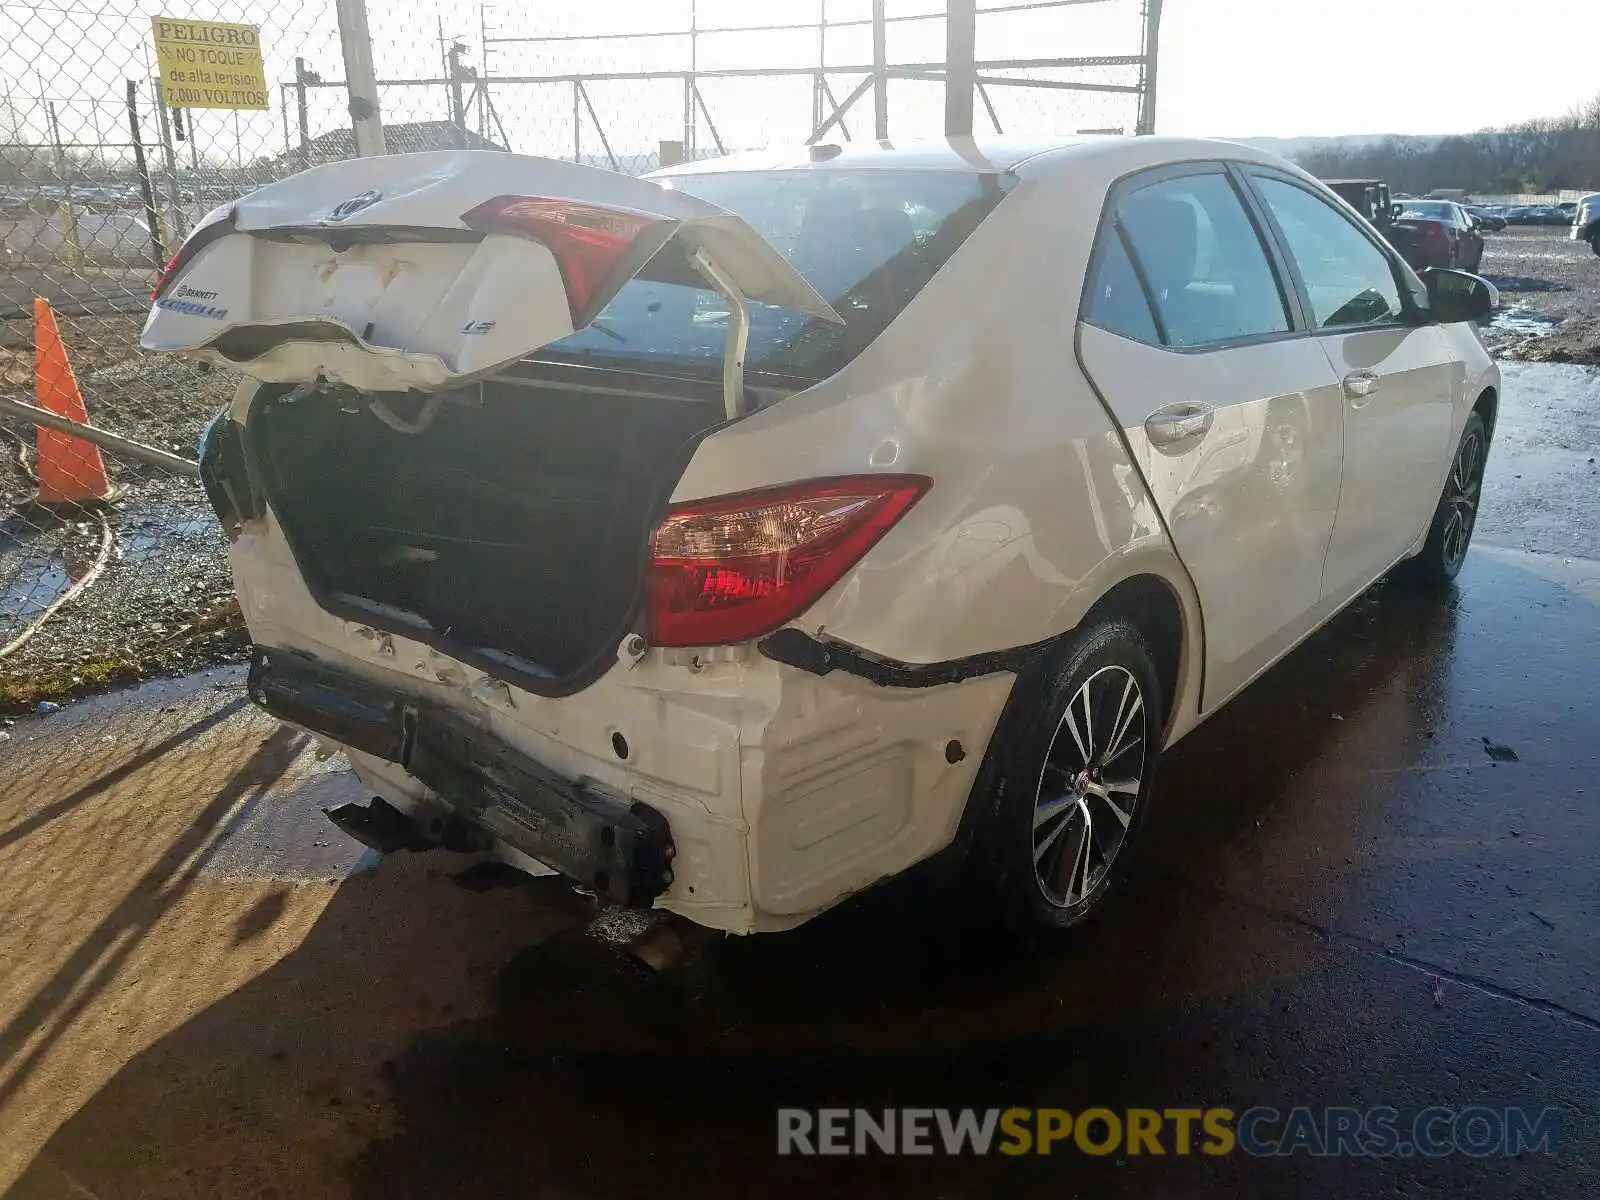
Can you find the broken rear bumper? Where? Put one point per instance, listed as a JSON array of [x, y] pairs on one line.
[[621, 849]]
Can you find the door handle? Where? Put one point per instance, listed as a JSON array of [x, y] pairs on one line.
[[1177, 426], [1360, 386]]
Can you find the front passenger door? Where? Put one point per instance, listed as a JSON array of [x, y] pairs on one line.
[[1398, 378]]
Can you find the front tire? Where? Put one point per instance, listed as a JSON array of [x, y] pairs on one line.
[[1594, 241], [1450, 535], [1073, 763]]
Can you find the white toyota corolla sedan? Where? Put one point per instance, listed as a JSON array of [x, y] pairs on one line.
[[733, 539]]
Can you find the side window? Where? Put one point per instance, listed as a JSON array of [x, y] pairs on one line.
[[1350, 281], [1117, 302], [1205, 264]]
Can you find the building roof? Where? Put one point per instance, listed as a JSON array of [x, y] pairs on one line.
[[407, 137]]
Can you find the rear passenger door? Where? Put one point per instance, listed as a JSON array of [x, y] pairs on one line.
[[1190, 333], [1399, 380]]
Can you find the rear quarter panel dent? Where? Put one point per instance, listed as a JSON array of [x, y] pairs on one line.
[[1036, 508]]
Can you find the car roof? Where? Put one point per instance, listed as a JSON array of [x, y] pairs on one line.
[[1029, 157]]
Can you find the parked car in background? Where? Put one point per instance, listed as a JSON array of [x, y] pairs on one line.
[[1586, 221], [1369, 197], [699, 537], [1536, 214], [1436, 233], [1488, 218]]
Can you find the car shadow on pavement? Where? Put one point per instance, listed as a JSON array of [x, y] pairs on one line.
[[32, 823], [96, 960], [429, 1040]]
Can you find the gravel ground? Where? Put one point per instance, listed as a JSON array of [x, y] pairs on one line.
[[1549, 296], [164, 599]]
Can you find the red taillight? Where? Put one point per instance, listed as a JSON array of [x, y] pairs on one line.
[[1431, 231], [589, 241], [166, 276], [212, 226], [736, 567]]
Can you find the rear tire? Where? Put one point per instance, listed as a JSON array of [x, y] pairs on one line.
[[1450, 535], [1594, 241], [1071, 768]]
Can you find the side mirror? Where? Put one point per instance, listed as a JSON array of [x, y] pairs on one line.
[[1455, 296]]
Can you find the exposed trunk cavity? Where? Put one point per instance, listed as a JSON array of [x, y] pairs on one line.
[[508, 525]]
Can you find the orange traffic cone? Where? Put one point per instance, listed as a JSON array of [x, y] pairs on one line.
[[71, 470]]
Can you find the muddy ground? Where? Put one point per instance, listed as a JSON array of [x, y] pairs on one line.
[[163, 601], [1549, 296]]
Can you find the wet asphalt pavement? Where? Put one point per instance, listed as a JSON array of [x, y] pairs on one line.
[[1373, 880]]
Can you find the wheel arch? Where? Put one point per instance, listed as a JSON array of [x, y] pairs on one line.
[[1487, 405], [1152, 592], [1149, 603]]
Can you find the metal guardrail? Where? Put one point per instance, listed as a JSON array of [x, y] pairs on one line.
[[103, 438]]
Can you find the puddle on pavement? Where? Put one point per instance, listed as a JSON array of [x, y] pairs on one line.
[[38, 565], [1541, 478], [1525, 283], [1523, 320], [1544, 388], [150, 529], [37, 569]]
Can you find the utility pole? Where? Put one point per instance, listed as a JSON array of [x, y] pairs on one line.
[[880, 71], [960, 69], [361, 78]]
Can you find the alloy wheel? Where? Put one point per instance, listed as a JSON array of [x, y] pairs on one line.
[[1461, 499], [1089, 786]]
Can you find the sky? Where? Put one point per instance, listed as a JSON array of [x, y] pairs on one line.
[[1232, 68], [1289, 68]]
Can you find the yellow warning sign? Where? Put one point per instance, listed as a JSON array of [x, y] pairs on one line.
[[210, 64]]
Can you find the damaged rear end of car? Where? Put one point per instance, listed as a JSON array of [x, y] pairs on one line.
[[473, 385]]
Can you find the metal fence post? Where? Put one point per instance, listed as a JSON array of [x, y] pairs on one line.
[[158, 249], [361, 77], [302, 111], [689, 81], [458, 102], [173, 211], [65, 212], [1147, 69]]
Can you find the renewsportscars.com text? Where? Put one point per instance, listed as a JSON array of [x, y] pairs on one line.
[[1262, 1132]]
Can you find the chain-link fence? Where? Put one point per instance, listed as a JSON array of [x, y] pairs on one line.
[[99, 180]]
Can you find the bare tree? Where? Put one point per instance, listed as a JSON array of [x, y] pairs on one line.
[[1543, 155]]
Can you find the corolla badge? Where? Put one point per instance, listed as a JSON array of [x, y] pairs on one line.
[[349, 208]]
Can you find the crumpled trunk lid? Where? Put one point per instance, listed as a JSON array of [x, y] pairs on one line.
[[426, 271]]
